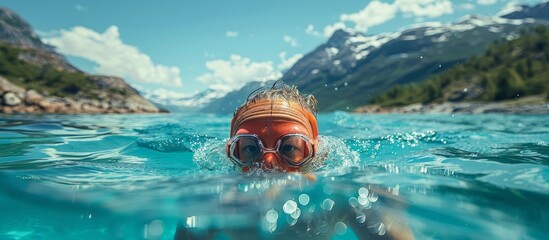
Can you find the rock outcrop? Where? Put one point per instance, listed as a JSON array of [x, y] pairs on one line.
[[19, 93], [14, 99]]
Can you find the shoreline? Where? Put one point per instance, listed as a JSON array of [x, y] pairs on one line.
[[508, 107]]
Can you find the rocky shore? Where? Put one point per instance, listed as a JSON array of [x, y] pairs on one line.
[[523, 106], [14, 99]]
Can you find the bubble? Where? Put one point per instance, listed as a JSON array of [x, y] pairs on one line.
[[271, 216], [360, 217], [363, 192], [353, 202], [373, 198], [155, 228], [378, 228], [289, 207], [328, 204], [272, 227], [296, 213], [363, 200], [291, 221], [304, 199], [340, 228]]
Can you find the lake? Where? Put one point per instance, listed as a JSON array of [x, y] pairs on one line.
[[142, 176]]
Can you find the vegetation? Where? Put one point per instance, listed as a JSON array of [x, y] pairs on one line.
[[507, 70], [47, 78]]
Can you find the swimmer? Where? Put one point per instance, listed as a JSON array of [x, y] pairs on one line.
[[276, 130]]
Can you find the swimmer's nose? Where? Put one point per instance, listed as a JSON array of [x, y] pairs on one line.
[[269, 160]]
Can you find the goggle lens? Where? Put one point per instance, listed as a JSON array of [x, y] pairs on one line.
[[247, 150], [294, 149]]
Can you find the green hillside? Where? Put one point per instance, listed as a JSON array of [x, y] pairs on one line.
[[46, 79], [507, 70]]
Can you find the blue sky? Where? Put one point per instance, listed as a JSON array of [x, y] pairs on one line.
[[178, 48]]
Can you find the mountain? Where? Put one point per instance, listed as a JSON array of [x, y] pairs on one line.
[[523, 11], [351, 68], [36, 79], [192, 103], [506, 71], [234, 99]]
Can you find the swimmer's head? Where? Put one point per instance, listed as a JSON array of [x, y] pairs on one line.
[[275, 129]]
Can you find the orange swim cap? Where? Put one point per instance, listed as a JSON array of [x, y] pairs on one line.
[[276, 108]]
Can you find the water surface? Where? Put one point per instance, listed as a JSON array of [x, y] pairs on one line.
[[140, 176]]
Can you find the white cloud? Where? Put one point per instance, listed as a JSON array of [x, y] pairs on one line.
[[80, 7], [374, 13], [165, 94], [425, 8], [113, 56], [486, 2], [377, 13], [311, 30], [510, 7], [287, 63], [290, 40], [330, 29], [232, 34], [232, 74], [467, 6]]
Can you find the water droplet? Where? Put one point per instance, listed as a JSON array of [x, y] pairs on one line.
[[363, 192], [271, 216], [340, 228], [353, 202], [345, 84], [360, 217], [304, 199], [335, 89], [291, 221], [421, 57], [155, 229], [328, 204], [296, 213], [272, 227], [289, 207], [363, 200], [373, 198]]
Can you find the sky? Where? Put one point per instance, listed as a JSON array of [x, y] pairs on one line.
[[176, 48]]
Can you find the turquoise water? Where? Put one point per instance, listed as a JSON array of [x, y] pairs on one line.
[[140, 176]]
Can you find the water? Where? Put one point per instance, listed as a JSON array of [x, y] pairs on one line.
[[140, 176]]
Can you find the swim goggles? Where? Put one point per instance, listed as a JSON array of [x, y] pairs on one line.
[[294, 149]]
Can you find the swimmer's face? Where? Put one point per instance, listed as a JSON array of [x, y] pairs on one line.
[[269, 132]]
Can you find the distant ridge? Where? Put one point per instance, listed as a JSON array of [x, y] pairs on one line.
[[350, 69], [511, 70]]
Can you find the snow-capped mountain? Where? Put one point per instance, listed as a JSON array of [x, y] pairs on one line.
[[183, 103], [350, 68]]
